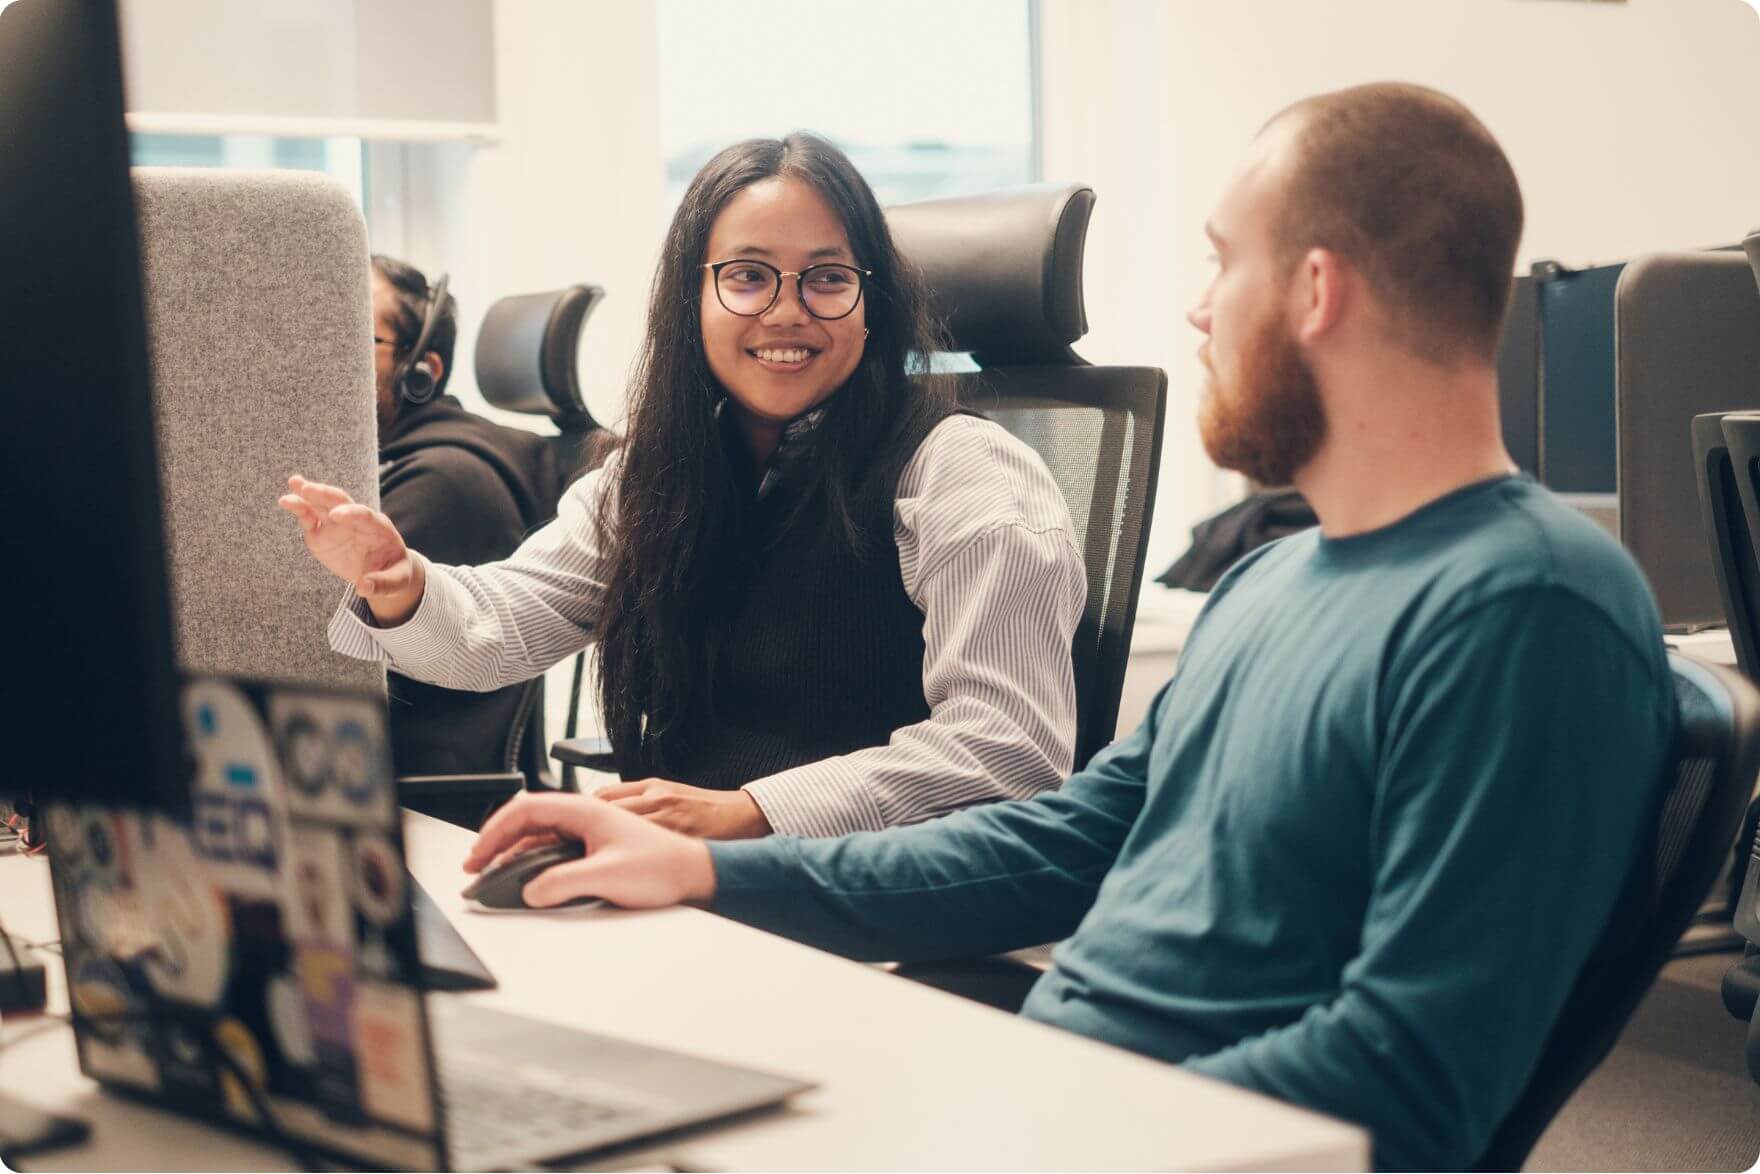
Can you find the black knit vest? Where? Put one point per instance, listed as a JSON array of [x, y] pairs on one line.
[[816, 652]]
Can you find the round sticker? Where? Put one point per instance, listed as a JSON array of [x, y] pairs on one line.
[[378, 880]]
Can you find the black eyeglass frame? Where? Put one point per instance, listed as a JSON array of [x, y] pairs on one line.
[[800, 287]]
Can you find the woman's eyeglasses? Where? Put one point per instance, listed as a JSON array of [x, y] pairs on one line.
[[750, 288]]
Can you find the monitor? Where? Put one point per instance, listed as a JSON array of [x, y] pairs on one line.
[[90, 692]]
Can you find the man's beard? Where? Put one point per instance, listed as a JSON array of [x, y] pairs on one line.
[[1269, 422]]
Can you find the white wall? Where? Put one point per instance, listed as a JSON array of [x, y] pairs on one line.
[[1631, 127], [570, 192]]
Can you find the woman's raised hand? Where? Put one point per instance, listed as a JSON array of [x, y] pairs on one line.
[[358, 545]]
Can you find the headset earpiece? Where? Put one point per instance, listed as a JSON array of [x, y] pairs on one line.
[[418, 383], [415, 378]]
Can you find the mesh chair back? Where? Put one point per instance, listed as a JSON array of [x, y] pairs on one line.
[[1098, 429], [1004, 271], [526, 361], [1717, 754]]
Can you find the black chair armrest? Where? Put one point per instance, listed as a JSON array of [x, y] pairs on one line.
[[590, 753], [465, 800]]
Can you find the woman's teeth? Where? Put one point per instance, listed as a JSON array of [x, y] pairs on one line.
[[788, 355]]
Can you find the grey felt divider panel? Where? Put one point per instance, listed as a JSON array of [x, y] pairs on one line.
[[259, 325]]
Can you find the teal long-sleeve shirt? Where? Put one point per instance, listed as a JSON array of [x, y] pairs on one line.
[[1358, 851]]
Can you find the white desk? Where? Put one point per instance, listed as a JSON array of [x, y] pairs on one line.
[[911, 1078]]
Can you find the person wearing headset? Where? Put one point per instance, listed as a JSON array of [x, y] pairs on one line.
[[461, 487], [824, 598]]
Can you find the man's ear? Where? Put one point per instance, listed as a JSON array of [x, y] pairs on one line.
[[1324, 289], [435, 364]]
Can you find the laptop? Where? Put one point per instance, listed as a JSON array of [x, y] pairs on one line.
[[258, 965]]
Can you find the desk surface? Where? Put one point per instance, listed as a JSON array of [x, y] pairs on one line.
[[911, 1078]]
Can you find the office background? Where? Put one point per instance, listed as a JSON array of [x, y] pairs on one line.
[[528, 144]]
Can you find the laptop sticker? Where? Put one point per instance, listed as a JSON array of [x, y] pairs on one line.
[[188, 918], [288, 1022], [394, 1066], [378, 880], [317, 901], [337, 760], [238, 822], [247, 1064], [326, 980]]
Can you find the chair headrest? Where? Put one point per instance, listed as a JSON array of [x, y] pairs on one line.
[[1004, 268], [526, 351]]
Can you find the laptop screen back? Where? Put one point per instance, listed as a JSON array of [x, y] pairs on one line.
[[260, 957]]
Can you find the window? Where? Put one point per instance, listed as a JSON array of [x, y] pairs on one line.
[[338, 157], [928, 98]]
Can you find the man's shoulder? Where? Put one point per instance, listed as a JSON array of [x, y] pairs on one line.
[[1519, 547], [1524, 537]]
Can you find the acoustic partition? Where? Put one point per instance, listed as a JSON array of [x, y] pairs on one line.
[[261, 348]]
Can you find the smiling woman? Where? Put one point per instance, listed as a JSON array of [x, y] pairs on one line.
[[825, 599]]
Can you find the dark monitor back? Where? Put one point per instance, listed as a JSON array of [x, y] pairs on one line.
[[1575, 314], [1688, 339], [90, 688], [1518, 377]]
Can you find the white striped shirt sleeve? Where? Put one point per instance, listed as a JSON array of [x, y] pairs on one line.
[[484, 627]]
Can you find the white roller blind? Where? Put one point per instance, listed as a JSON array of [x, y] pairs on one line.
[[374, 68]]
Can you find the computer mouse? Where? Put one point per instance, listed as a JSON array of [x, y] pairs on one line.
[[501, 888]]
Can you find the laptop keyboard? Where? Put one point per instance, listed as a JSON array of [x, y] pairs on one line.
[[491, 1113]]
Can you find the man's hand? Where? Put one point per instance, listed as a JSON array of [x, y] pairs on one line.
[[695, 811], [629, 861], [359, 546]]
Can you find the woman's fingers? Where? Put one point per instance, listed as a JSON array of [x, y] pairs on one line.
[[324, 497], [308, 517]]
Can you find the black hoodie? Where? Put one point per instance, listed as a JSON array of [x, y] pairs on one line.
[[461, 490]]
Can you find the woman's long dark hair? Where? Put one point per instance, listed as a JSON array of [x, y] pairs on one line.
[[673, 523]]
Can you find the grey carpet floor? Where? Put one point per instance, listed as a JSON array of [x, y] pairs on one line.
[[1674, 1094]]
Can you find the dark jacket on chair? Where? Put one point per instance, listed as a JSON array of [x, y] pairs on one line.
[[462, 490]]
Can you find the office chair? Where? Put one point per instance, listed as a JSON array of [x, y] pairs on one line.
[[1741, 983], [1004, 271], [1005, 274], [1717, 754], [1739, 578], [526, 362]]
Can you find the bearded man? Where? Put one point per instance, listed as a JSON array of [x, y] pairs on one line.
[[1359, 850]]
